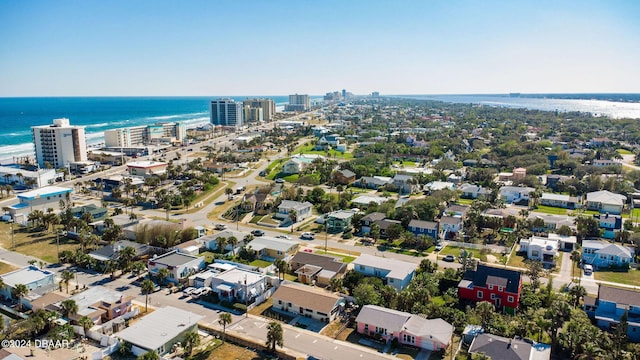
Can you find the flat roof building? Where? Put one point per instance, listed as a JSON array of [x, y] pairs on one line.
[[59, 144], [227, 113]]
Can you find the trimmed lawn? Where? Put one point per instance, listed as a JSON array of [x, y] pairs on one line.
[[260, 263], [256, 219], [455, 251], [550, 210], [308, 149], [274, 168], [631, 277], [465, 201], [208, 256], [39, 244], [291, 178], [624, 152], [290, 277], [5, 268], [345, 258], [517, 260]]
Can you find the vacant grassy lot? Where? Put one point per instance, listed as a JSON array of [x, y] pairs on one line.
[[308, 149], [345, 258], [5, 268], [39, 244], [631, 277], [260, 263], [624, 152], [231, 351], [551, 210]]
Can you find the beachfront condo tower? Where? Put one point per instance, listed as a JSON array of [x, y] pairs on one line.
[[298, 103], [227, 113], [256, 110], [59, 144]]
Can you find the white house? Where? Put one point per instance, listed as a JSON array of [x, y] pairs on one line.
[[541, 249], [39, 199], [38, 281], [470, 191], [606, 202], [515, 194], [270, 248], [236, 283], [180, 265], [397, 273], [302, 209], [160, 330]]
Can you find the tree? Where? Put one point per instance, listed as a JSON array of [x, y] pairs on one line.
[[575, 259], [149, 355], [576, 293], [66, 276], [20, 291], [68, 308], [427, 266], [281, 266], [228, 192], [125, 258], [163, 273], [274, 335], [147, 287], [233, 241], [222, 243], [191, 340], [485, 312], [534, 270], [86, 324], [224, 320], [366, 294]]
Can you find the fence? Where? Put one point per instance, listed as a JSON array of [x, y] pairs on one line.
[[492, 248], [241, 341], [262, 298]]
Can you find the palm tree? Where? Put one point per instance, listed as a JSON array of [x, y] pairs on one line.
[[274, 335], [147, 287], [68, 308], [224, 320], [233, 241], [20, 291], [222, 243], [191, 340], [228, 192], [86, 324], [66, 276], [149, 355], [163, 273], [125, 258], [576, 293], [281, 266]]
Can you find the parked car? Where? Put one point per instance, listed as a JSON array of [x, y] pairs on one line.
[[279, 181], [307, 236], [588, 269], [262, 173], [188, 291], [257, 232], [220, 226], [284, 237], [438, 247], [449, 258]]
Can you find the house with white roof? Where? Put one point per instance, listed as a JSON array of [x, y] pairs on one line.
[[396, 273], [409, 329], [236, 283], [603, 254], [605, 202], [559, 200], [372, 182], [146, 168], [38, 281], [551, 221], [363, 201], [38, 199], [180, 265], [270, 248], [100, 304], [302, 209], [515, 194], [545, 249], [160, 330], [438, 185], [470, 191]]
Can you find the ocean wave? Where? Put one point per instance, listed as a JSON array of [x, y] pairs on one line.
[[18, 133], [176, 116]]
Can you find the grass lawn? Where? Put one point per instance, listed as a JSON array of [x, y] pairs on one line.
[[551, 210], [291, 178], [5, 268], [516, 260], [274, 168], [407, 353], [290, 277], [308, 149], [345, 258], [339, 251], [624, 152], [208, 256], [632, 277], [465, 201], [260, 263], [256, 219], [258, 310], [331, 329], [455, 251], [39, 244]]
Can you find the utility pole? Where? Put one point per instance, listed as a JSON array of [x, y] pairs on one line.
[[13, 241], [246, 298], [58, 243]]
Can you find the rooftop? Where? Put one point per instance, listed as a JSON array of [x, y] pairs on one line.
[[268, 242], [397, 269], [392, 320], [307, 297], [45, 191], [484, 275], [498, 347], [173, 259], [145, 164], [97, 294], [154, 330], [25, 276], [236, 275], [619, 296]]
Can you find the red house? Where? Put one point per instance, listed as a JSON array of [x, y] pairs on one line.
[[499, 286]]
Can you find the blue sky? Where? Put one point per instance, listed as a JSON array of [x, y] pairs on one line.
[[144, 47]]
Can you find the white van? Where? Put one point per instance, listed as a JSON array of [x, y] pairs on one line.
[[588, 269]]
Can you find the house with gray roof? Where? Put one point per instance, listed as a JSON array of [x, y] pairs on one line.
[[470, 191], [421, 227], [316, 268], [180, 265], [111, 251], [38, 281], [302, 210], [498, 347], [307, 301], [409, 329], [396, 273], [160, 330], [610, 304], [405, 184], [100, 304], [559, 200], [605, 202], [603, 254]]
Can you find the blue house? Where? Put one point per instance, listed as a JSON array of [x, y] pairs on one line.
[[609, 306], [421, 227], [603, 254], [611, 224]]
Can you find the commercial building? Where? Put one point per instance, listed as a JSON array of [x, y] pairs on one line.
[[146, 168], [15, 175], [227, 113], [298, 103], [171, 132], [38, 199], [59, 144], [259, 109]]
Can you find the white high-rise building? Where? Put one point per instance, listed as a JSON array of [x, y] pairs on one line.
[[146, 134], [267, 106], [59, 144], [226, 112], [298, 103]]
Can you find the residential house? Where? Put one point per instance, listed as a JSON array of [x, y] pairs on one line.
[[236, 284], [344, 176], [438, 185], [516, 194], [599, 141], [339, 221], [302, 210], [550, 222], [319, 269], [606, 202], [603, 254], [38, 281], [559, 200], [405, 184], [519, 173], [470, 191], [409, 329], [450, 226], [307, 301], [368, 220], [38, 199], [111, 251], [270, 248], [606, 162], [501, 287], [421, 227], [160, 330], [299, 162], [210, 242], [610, 224], [372, 182], [610, 304], [395, 273], [543, 249], [364, 201], [554, 181], [100, 304], [96, 212], [180, 265], [498, 347]]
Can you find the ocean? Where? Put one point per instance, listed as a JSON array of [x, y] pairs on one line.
[[98, 114]]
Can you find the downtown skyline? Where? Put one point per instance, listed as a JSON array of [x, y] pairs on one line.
[[202, 48]]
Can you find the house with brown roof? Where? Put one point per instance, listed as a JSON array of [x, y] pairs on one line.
[[316, 268], [307, 301], [344, 177]]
